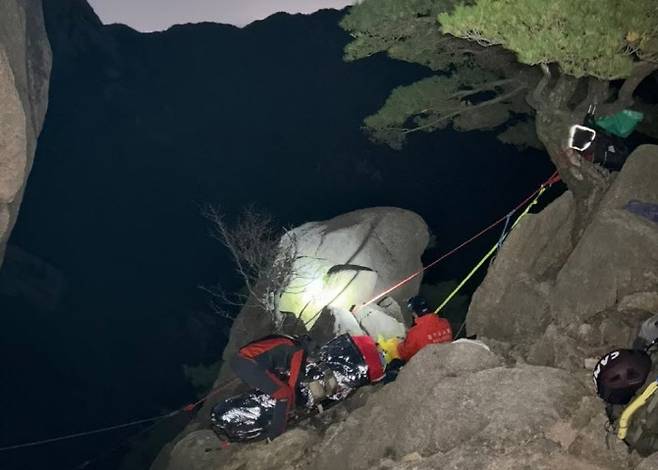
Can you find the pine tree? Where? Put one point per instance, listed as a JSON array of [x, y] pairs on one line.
[[502, 64]]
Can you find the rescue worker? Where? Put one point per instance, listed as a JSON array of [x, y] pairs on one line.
[[273, 365], [626, 379], [427, 328]]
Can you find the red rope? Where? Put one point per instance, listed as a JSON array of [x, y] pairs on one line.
[[554, 178], [190, 407], [186, 408], [87, 433]]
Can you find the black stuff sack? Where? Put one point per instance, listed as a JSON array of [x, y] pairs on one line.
[[609, 151]]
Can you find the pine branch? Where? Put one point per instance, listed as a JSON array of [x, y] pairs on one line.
[[469, 109]]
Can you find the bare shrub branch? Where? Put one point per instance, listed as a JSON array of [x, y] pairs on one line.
[[264, 257]]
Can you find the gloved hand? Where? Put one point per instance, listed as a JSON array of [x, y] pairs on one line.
[[392, 370], [389, 347]]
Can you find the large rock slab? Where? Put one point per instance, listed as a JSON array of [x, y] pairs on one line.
[[25, 61], [497, 407], [543, 455], [201, 450], [346, 260], [320, 284], [650, 463], [617, 255], [512, 302]]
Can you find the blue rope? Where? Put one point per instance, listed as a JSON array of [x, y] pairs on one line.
[[503, 235]]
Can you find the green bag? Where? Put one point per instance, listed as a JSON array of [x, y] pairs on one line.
[[621, 124]]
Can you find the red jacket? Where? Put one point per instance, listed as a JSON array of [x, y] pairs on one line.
[[428, 329]]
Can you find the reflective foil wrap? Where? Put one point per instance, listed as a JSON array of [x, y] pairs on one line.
[[244, 416], [344, 359]]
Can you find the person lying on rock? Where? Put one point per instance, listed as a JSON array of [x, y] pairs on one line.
[[342, 365], [284, 368], [273, 365], [427, 328]]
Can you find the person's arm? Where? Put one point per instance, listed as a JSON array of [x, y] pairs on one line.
[[408, 347]]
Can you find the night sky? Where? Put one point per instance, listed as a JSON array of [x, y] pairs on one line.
[[157, 15]]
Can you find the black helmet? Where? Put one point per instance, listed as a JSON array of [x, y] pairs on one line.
[[621, 373], [418, 305]]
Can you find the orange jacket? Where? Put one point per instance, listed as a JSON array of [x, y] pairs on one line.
[[428, 329]]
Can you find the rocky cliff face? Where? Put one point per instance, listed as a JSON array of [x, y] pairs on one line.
[[548, 303], [25, 61], [554, 300]]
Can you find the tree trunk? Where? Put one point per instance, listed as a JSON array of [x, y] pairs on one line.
[[556, 113], [587, 182]]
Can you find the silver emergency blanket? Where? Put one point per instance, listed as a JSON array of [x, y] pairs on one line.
[[243, 417], [342, 358], [246, 416]]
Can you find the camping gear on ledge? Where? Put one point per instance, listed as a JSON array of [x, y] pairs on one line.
[[621, 124], [600, 140], [606, 150]]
